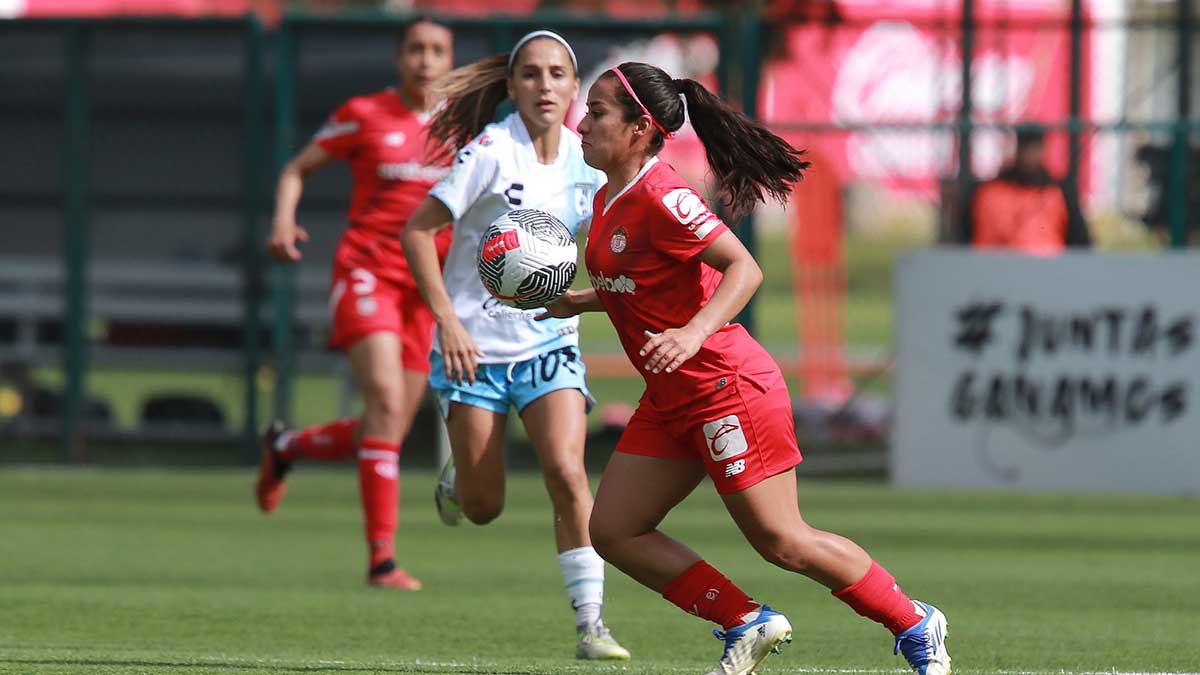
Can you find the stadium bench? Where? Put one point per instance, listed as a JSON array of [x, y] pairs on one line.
[[184, 316]]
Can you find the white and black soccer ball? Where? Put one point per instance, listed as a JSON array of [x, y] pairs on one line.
[[527, 258]]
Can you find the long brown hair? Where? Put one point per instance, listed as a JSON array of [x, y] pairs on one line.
[[749, 162], [472, 94]]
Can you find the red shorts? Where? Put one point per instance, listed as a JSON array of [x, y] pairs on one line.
[[363, 303], [744, 435]]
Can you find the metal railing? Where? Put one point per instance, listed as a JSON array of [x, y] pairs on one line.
[[270, 79], [77, 195]]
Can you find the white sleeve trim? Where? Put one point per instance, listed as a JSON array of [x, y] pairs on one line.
[[334, 129], [703, 230]]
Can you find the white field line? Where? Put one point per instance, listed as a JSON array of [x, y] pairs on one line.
[[836, 671], [459, 665], [471, 666]]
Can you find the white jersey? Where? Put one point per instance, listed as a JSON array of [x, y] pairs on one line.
[[496, 173]]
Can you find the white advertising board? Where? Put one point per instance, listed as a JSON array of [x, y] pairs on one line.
[[1074, 373]]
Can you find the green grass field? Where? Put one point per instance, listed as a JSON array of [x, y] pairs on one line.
[[107, 571]]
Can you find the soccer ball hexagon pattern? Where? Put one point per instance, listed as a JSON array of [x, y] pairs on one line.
[[527, 258]]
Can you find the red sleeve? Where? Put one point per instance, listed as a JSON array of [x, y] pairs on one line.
[[341, 132], [682, 224]]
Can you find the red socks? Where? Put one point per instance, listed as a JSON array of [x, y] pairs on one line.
[[331, 441], [378, 470], [878, 597], [705, 592]]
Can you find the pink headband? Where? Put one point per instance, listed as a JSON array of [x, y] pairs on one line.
[[621, 77]]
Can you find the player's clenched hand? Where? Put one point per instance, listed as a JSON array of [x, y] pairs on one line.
[[670, 348], [459, 352], [282, 245], [564, 307]]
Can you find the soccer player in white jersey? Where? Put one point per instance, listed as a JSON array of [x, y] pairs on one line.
[[487, 357]]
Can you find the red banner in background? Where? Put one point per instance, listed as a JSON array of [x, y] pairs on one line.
[[900, 63], [888, 63], [268, 9], [850, 62]]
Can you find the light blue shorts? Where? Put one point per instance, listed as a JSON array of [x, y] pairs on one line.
[[517, 384]]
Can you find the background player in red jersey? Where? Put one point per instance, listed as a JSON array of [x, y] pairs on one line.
[[379, 318], [671, 276]]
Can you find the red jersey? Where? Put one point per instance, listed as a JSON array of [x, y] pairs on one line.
[[642, 259], [1027, 218], [384, 142]]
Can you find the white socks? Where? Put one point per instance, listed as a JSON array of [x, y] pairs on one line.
[[583, 573]]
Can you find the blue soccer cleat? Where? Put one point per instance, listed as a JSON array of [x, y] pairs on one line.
[[924, 645], [749, 644]]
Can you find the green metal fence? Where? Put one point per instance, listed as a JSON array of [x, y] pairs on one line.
[[271, 75], [76, 196], [495, 36], [1175, 21]]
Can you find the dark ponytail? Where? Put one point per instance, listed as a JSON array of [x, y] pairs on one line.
[[746, 158], [472, 94]]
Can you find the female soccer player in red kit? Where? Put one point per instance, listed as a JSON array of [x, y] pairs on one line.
[[671, 276], [379, 318]]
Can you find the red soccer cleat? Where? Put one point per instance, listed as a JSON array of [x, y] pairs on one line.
[[387, 575], [269, 489]]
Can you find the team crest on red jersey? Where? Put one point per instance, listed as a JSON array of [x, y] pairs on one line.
[[619, 241]]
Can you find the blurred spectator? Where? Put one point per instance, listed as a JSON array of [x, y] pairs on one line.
[[1024, 208], [1158, 164]]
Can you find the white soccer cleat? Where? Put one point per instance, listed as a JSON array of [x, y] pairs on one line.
[[444, 497], [596, 643], [749, 644], [924, 645]]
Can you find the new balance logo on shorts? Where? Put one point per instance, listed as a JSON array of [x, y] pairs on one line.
[[734, 468], [725, 438]]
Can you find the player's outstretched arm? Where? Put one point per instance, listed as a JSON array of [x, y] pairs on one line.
[[741, 278], [284, 230], [572, 303], [458, 349]]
